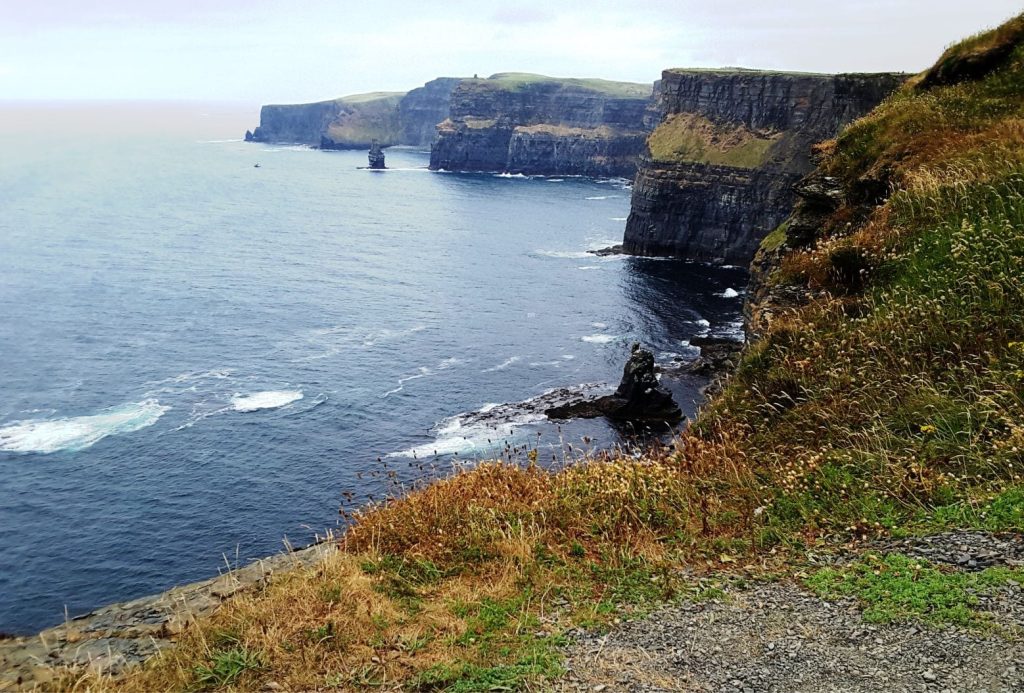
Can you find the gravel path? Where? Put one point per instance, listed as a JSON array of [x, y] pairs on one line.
[[778, 637]]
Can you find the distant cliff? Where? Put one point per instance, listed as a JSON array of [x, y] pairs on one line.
[[423, 108], [522, 123], [719, 170], [353, 122]]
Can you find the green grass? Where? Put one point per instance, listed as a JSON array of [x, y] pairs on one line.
[[691, 138], [390, 98], [896, 588], [518, 81], [775, 239], [226, 667]]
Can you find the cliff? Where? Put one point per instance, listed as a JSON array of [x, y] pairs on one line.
[[423, 108], [521, 123], [353, 122], [720, 166]]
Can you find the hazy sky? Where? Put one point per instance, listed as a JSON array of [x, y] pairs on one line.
[[265, 51]]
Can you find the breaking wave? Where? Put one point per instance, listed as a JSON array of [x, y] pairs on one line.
[[269, 399], [79, 432]]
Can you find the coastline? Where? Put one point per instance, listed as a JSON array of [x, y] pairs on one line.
[[109, 640]]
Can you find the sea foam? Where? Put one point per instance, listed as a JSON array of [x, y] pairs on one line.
[[269, 399], [79, 432]]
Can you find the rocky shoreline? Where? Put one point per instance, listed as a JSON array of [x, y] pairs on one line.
[[113, 638]]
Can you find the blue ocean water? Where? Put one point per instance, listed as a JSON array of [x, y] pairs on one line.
[[199, 357]]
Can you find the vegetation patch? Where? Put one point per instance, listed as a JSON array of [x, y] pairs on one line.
[[688, 137], [521, 81], [896, 588]]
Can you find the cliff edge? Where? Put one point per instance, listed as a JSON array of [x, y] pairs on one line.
[[719, 167]]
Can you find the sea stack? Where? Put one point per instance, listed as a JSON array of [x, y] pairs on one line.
[[639, 396], [376, 156]]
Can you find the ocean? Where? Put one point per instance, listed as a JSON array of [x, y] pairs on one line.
[[201, 358]]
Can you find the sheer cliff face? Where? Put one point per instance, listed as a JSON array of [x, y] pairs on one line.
[[720, 167], [302, 123], [540, 125], [353, 122], [422, 109]]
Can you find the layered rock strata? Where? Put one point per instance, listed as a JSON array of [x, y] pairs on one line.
[[532, 124], [720, 167]]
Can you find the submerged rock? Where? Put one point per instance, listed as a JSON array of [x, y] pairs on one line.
[[639, 397]]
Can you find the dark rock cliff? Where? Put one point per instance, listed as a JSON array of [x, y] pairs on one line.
[[533, 124], [423, 108], [719, 172], [296, 123], [353, 122]]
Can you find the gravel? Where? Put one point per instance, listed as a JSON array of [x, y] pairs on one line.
[[779, 637]]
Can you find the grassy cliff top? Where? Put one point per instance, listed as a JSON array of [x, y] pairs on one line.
[[369, 97], [727, 71], [888, 401], [514, 81], [374, 97]]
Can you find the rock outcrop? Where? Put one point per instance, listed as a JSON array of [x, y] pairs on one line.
[[719, 170], [532, 124], [639, 397], [116, 637]]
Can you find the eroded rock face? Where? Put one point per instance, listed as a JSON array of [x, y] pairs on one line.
[[710, 203], [546, 126]]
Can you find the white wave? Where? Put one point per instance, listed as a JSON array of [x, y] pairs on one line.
[[510, 175], [702, 322], [269, 399], [729, 293], [423, 372], [589, 267], [79, 432], [455, 436], [541, 364], [619, 218], [566, 254], [568, 357], [503, 365], [599, 325], [599, 338], [602, 197], [555, 180]]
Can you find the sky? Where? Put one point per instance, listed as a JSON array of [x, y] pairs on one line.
[[266, 51]]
